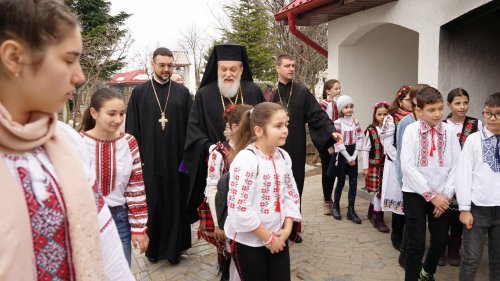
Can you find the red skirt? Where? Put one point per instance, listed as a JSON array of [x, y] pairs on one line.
[[373, 180]]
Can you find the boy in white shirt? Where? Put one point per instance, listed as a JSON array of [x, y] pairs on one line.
[[428, 155], [478, 193]]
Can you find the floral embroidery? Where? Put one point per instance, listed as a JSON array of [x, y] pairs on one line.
[[429, 195], [425, 152], [489, 144], [388, 121], [394, 205], [470, 126]]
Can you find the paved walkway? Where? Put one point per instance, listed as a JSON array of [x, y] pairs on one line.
[[331, 251]]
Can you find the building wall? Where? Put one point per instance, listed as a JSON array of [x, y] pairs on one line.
[[424, 17], [376, 66], [470, 58]]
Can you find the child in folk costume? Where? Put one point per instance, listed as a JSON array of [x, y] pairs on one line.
[[331, 90], [428, 161], [345, 162], [55, 225], [263, 200], [463, 125], [392, 197], [373, 165], [116, 160], [218, 164], [477, 186]]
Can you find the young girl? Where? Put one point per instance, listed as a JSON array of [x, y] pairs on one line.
[[463, 126], [344, 162], [116, 160], [331, 90], [218, 164], [373, 165], [53, 226], [263, 200], [392, 197]]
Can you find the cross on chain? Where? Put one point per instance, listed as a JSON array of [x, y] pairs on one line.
[[163, 121]]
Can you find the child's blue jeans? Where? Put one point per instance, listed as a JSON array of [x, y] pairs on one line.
[[120, 216]]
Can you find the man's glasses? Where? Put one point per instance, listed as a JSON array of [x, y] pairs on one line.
[[488, 115], [163, 65]]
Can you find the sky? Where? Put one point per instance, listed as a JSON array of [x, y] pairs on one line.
[[156, 23]]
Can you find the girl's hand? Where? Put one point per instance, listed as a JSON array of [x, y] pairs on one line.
[[331, 150], [276, 245], [219, 234], [337, 137], [352, 162], [141, 241], [284, 234], [467, 219], [365, 172]]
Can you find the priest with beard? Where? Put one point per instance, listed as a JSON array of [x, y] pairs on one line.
[[303, 108], [227, 81], [157, 116]]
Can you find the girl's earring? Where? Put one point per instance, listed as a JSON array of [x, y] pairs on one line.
[[16, 74]]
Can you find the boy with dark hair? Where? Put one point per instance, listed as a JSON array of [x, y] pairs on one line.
[[428, 171], [478, 193]]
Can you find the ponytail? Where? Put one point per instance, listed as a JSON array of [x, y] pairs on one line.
[[88, 121], [97, 100]]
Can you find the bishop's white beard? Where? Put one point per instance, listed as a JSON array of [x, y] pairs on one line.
[[229, 91]]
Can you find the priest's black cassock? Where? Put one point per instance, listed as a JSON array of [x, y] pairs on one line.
[[303, 108], [161, 154], [206, 127], [206, 121]]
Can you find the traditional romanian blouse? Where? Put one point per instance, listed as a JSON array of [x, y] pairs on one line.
[[51, 241], [428, 159], [478, 171], [331, 109], [351, 133], [262, 189], [458, 127], [119, 176], [215, 171]]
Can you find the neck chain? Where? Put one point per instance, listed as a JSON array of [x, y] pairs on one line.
[[289, 96], [235, 102], [163, 120]]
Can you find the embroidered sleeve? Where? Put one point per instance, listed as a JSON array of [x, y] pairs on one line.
[[135, 193], [338, 128], [215, 171], [412, 178], [292, 198], [366, 150], [387, 137], [463, 174], [323, 104], [242, 191]]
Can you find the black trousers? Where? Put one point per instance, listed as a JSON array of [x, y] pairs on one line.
[[417, 212], [326, 181], [258, 264]]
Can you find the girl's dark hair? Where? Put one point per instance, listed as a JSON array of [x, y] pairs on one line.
[[400, 95], [258, 116], [97, 100], [428, 95], [493, 100], [380, 105], [36, 24], [328, 85], [457, 92], [235, 115]]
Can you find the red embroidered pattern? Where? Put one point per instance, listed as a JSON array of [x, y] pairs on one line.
[[49, 227], [425, 152], [106, 166]]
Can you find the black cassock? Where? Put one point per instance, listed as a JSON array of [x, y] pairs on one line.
[[303, 109], [161, 154], [206, 127]]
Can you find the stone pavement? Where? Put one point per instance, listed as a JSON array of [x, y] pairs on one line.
[[331, 251]]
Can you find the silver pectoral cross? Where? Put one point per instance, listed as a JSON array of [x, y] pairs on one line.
[[163, 121]]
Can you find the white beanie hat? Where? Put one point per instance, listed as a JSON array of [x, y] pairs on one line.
[[343, 101]]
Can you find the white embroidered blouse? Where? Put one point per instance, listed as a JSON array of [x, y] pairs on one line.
[[351, 133], [262, 189], [428, 159], [117, 164], [478, 172]]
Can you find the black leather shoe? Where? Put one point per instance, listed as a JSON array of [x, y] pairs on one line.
[[352, 216], [336, 213], [175, 261], [152, 260], [297, 238], [402, 260]]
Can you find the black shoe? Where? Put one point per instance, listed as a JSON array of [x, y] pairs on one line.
[[395, 243], [295, 238], [402, 260], [152, 260], [336, 213], [352, 216], [175, 261]]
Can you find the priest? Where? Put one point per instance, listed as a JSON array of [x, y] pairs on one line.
[[157, 116], [227, 81], [303, 108]]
